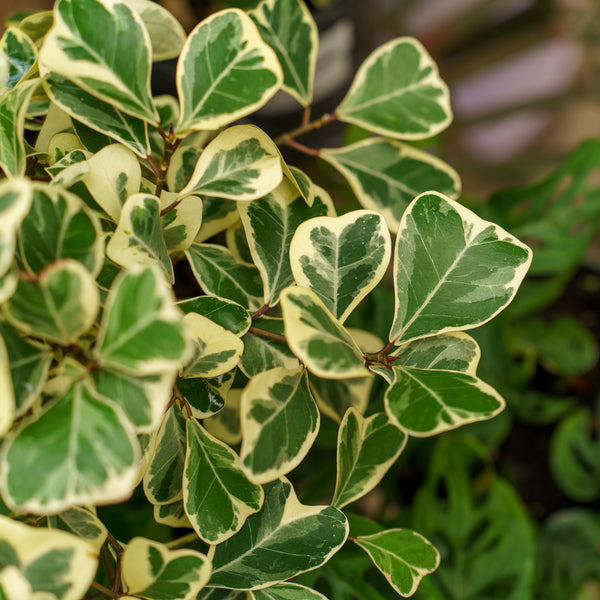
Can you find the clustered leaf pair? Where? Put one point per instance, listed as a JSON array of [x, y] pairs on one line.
[[109, 381]]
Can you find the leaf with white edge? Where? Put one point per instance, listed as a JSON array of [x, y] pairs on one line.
[[402, 555], [289, 28], [284, 539], [287, 591], [280, 421], [28, 362], [79, 450], [164, 474], [139, 239], [452, 270], [219, 274], [60, 226], [14, 586], [143, 399], [206, 397], [8, 283], [59, 305], [154, 572], [217, 215], [366, 449], [305, 186], [223, 594], [114, 175], [82, 523], [241, 163], [270, 223], [217, 495], [172, 514], [386, 175], [224, 312], [7, 395], [317, 338], [100, 116], [225, 424], [62, 144], [13, 107], [141, 330], [398, 92], [70, 169], [115, 66], [51, 561], [216, 351], [16, 196], [335, 396], [341, 259], [21, 52], [182, 223], [182, 165], [225, 72], [425, 402]]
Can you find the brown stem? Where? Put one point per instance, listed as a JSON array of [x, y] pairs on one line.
[[261, 311], [153, 165], [306, 116], [105, 590], [268, 335], [285, 138], [302, 148], [169, 208], [170, 147]]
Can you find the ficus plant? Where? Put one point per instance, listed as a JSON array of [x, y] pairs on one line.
[[117, 380]]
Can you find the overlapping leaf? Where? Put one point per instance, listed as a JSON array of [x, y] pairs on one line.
[[224, 312], [182, 223], [21, 52], [286, 591], [82, 523], [335, 396], [217, 215], [15, 201], [205, 397], [225, 424], [172, 514]]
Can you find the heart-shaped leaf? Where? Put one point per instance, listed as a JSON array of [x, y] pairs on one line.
[[16, 196], [397, 92], [225, 72]]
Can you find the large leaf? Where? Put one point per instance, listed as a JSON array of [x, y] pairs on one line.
[[367, 448], [51, 561], [217, 495], [452, 270], [15, 202], [397, 92], [241, 163], [225, 72], [280, 422], [317, 338], [288, 27], [79, 450], [114, 66], [427, 402], [386, 175], [341, 259], [153, 572], [282, 540]]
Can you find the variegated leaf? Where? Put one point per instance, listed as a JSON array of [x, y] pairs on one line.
[[397, 92], [341, 259], [7, 394], [205, 397], [70, 169], [16, 196], [225, 424], [8, 283], [286, 591], [221, 311], [225, 72], [21, 52], [335, 396], [82, 523], [466, 275], [217, 215], [172, 515], [182, 223]]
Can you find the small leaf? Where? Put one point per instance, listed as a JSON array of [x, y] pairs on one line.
[[114, 67], [21, 52], [153, 572], [182, 223], [217, 215], [317, 338], [217, 495], [241, 163], [366, 449], [225, 424], [284, 539], [341, 259], [206, 397], [402, 555], [289, 28], [70, 169], [15, 202], [335, 396], [224, 312], [172, 515], [469, 269], [225, 72], [425, 403], [280, 422], [397, 92], [82, 523], [386, 175]]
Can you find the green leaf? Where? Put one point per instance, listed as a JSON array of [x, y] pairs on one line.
[[139, 239], [21, 52], [286, 591], [217, 495], [341, 259], [16, 196], [225, 72], [335, 396], [397, 92], [467, 273], [270, 222], [141, 330], [50, 560], [317, 338], [386, 175], [284, 539], [7, 395], [172, 515], [70, 169], [152, 571], [425, 402], [79, 450], [206, 397], [280, 422], [366, 449], [60, 304], [225, 424], [289, 28], [60, 226], [224, 312], [182, 223], [114, 67], [219, 274], [98, 115], [82, 523], [217, 215], [241, 163], [223, 594], [182, 165], [402, 555]]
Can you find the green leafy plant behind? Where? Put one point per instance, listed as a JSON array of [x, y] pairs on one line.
[[121, 381]]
